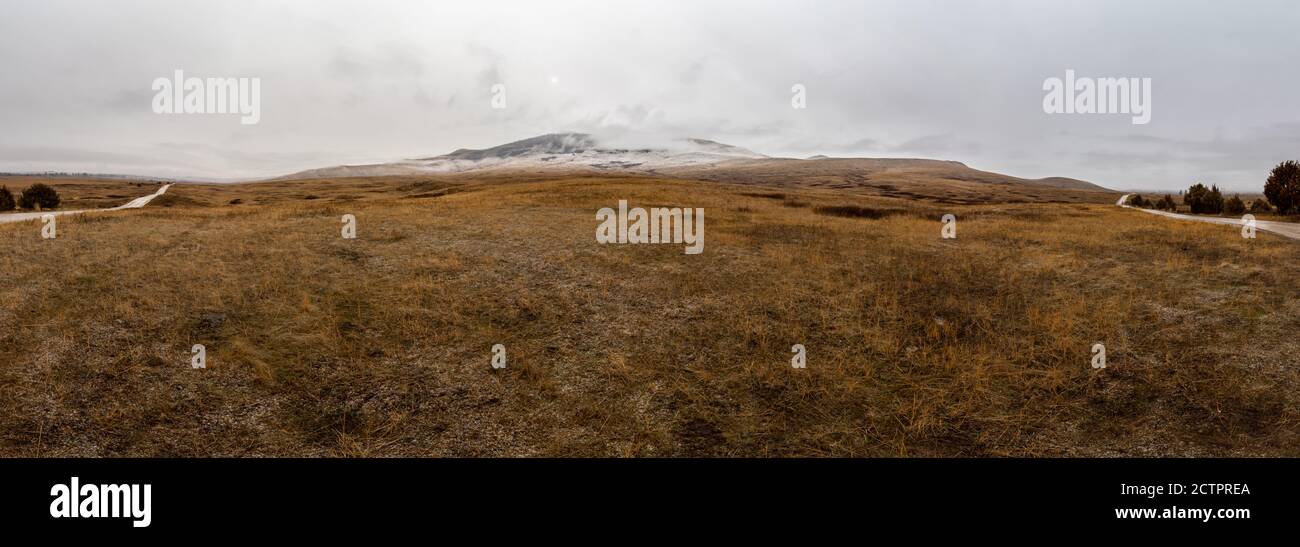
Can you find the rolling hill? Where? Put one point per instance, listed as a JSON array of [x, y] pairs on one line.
[[701, 159]]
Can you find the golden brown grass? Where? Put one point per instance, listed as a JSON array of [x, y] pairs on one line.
[[380, 346], [932, 180]]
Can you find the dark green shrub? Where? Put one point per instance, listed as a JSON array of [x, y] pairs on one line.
[[1283, 187], [7, 202], [39, 195], [853, 211], [1214, 201], [1234, 206], [1204, 201]]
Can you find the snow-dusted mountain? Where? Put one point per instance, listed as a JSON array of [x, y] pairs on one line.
[[700, 159], [556, 151]]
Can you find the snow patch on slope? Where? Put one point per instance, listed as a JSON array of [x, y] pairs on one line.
[[560, 151]]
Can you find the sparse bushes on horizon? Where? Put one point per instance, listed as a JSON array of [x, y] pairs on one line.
[[1283, 187], [1281, 194], [39, 195]]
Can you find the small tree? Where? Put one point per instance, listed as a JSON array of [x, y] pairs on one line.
[[1214, 201], [1167, 203], [1234, 205], [1195, 198], [1261, 206], [1204, 201], [39, 195], [1283, 187], [6, 199]]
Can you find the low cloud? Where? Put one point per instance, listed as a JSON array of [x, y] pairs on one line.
[[397, 79]]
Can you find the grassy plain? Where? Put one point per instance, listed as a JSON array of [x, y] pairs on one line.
[[380, 346]]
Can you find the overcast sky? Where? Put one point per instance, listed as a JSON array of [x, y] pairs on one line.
[[373, 81]]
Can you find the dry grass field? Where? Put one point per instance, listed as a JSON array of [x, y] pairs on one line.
[[380, 346], [84, 193]]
